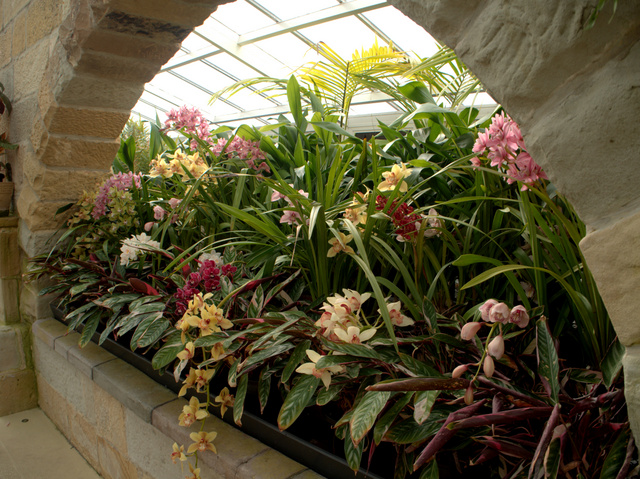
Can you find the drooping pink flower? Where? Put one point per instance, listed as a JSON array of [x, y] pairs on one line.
[[459, 371], [488, 366], [496, 347], [519, 316], [499, 313], [486, 307], [174, 202], [469, 330]]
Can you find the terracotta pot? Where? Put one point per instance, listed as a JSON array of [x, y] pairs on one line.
[[6, 192]]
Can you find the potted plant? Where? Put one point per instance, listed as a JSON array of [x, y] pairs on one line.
[[6, 180]]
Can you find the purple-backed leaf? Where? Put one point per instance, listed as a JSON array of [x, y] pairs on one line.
[[505, 447], [502, 417], [544, 442], [487, 454], [445, 434], [421, 384]]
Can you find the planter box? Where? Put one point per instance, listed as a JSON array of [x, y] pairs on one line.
[[124, 423]]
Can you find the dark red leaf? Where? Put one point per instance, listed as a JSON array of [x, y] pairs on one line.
[[142, 287], [445, 434]]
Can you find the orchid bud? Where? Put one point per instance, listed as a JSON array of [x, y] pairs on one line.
[[468, 395], [469, 330], [499, 313], [519, 316], [488, 366], [486, 307], [148, 226], [459, 371], [496, 347]]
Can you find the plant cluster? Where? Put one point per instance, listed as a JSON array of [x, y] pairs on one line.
[[399, 288]]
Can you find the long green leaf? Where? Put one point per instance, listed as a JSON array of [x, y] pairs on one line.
[[353, 453], [385, 422], [616, 457], [297, 400], [167, 353], [366, 413], [238, 403], [90, 327], [548, 366], [297, 356]]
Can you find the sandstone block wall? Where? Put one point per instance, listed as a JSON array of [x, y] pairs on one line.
[[124, 424]]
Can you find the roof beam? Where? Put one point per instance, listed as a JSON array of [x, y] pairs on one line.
[[332, 13]]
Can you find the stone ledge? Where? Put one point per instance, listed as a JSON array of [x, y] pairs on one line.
[[48, 330], [132, 388], [87, 358], [239, 455]]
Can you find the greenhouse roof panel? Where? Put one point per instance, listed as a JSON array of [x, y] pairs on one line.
[[274, 38]]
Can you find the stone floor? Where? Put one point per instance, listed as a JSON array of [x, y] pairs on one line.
[[31, 447]]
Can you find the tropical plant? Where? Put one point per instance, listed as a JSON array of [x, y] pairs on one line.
[[335, 81], [424, 292]]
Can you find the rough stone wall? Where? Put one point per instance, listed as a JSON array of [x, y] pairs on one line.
[[73, 69], [576, 95]]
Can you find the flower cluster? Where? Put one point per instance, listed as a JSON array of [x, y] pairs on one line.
[[178, 162], [207, 278], [504, 146], [189, 120], [497, 314], [343, 319], [408, 223], [106, 192], [244, 150], [136, 245]]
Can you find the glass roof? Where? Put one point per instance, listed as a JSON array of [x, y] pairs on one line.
[[251, 38]]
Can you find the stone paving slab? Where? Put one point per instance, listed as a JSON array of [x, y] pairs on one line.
[[31, 447]]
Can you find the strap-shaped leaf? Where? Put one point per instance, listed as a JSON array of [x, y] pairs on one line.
[[325, 395], [385, 422], [616, 457], [366, 413], [548, 367], [297, 400], [238, 403], [297, 356], [353, 453], [167, 353], [423, 403], [90, 326], [430, 471], [149, 331]]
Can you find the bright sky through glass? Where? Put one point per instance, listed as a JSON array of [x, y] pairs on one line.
[[276, 38]]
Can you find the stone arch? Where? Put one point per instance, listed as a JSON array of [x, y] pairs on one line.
[[76, 68]]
